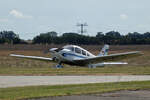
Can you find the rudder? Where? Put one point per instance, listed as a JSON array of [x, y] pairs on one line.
[[104, 50]]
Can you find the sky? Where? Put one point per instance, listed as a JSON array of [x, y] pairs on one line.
[[29, 18]]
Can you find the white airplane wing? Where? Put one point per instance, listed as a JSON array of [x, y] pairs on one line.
[[114, 63], [32, 57], [108, 58], [108, 63]]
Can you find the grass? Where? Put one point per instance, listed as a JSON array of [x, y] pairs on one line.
[[16, 93], [128, 70], [15, 66]]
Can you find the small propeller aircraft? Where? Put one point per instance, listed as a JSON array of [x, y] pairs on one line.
[[75, 55]]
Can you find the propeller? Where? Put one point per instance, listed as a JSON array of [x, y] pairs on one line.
[[46, 51], [52, 49]]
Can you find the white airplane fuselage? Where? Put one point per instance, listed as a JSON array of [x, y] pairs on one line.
[[67, 56]]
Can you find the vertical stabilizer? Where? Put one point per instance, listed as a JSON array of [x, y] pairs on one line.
[[104, 50]]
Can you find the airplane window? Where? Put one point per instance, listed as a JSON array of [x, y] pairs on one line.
[[59, 49], [83, 52], [77, 50], [71, 48]]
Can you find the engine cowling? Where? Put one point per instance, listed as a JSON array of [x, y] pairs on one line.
[[55, 59]]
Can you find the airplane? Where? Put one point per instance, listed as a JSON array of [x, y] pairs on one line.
[[75, 55]]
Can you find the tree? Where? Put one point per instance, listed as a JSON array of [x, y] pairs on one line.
[[112, 38], [9, 37], [113, 34], [52, 34], [44, 38], [100, 35]]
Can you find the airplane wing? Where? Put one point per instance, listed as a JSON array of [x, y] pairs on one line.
[[114, 63], [32, 57], [108, 63], [108, 58]]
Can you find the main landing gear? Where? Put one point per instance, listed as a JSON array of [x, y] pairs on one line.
[[91, 66]]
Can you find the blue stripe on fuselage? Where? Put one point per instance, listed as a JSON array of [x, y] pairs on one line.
[[66, 54]]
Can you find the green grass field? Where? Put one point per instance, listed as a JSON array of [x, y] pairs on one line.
[[15, 66], [126, 70], [16, 93]]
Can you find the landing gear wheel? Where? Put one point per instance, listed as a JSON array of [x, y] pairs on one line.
[[59, 66], [91, 66]]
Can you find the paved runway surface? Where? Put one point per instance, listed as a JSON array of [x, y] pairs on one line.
[[15, 81], [119, 95]]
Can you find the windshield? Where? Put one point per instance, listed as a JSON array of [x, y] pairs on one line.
[[83, 52], [70, 48], [78, 50]]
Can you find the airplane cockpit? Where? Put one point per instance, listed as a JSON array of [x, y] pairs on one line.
[[77, 50]]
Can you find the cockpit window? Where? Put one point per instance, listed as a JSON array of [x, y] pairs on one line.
[[83, 52], [70, 48], [77, 50], [88, 54], [59, 49]]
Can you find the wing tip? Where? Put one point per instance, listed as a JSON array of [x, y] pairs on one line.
[[139, 52], [12, 55]]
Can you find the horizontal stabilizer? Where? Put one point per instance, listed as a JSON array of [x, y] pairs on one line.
[[115, 63], [109, 63]]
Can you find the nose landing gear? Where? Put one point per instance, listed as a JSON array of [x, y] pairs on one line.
[[59, 65]]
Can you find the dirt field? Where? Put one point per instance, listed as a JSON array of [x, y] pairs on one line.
[[15, 66]]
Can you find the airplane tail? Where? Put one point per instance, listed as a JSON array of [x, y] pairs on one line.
[[104, 50]]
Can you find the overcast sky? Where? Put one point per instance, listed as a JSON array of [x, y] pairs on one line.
[[29, 18]]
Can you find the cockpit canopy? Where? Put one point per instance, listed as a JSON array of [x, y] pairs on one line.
[[77, 50]]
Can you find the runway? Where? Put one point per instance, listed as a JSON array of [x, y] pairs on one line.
[[19, 81], [117, 95]]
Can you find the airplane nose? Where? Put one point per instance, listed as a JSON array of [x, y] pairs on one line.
[[53, 50]]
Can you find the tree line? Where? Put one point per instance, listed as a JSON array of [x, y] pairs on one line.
[[112, 38], [9, 37]]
